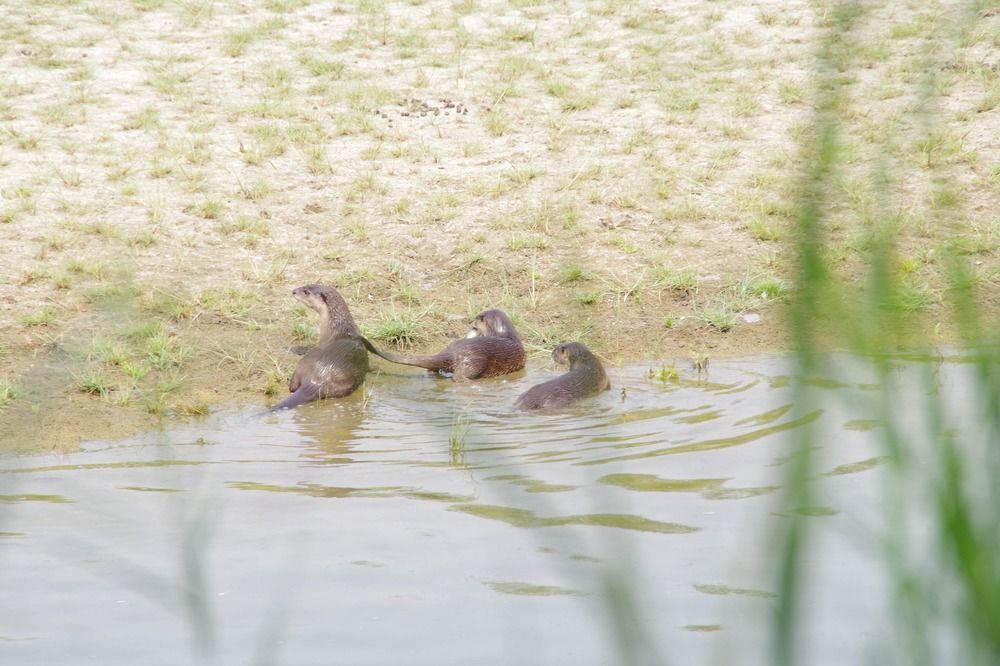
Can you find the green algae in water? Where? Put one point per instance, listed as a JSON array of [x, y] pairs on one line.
[[816, 511], [653, 483], [636, 415], [114, 465], [725, 590], [781, 381], [861, 425], [144, 489], [533, 485], [825, 382], [766, 417], [507, 514], [432, 496], [342, 492], [317, 490], [29, 497], [739, 388], [737, 493], [713, 444], [702, 627], [575, 557], [624, 521], [713, 489], [703, 417], [860, 466], [529, 590], [526, 518]]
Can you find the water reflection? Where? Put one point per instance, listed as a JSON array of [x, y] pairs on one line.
[[451, 510]]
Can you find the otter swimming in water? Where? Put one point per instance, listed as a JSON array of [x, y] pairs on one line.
[[338, 364], [492, 348], [586, 376]]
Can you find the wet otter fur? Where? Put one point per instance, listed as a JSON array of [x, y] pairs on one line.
[[492, 348], [586, 376], [338, 364]]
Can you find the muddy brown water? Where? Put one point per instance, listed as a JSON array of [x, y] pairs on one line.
[[356, 531]]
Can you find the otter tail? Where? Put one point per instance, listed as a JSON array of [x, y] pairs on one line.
[[305, 393], [438, 362]]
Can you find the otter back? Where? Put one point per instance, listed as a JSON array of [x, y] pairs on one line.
[[468, 358]]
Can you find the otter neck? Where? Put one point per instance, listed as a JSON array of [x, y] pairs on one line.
[[511, 334], [335, 321], [580, 361], [508, 331]]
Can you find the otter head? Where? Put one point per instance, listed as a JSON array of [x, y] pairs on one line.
[[567, 352], [493, 323], [334, 317], [315, 296]]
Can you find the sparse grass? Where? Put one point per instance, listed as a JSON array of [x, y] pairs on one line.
[[939, 146], [245, 224], [364, 186], [765, 229], [496, 123], [398, 329], [8, 392], [303, 332], [136, 371], [175, 305], [571, 273], [142, 239], [109, 352], [255, 191], [456, 438], [679, 100], [94, 383], [664, 374], [147, 119], [908, 298], [319, 67], [233, 302], [209, 209], [683, 282], [719, 317], [164, 351], [236, 42], [791, 92], [518, 242], [44, 317], [767, 288]]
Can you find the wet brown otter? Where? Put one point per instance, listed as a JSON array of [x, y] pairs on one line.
[[492, 348], [585, 377], [338, 364]]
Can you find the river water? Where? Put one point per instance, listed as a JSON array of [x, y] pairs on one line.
[[424, 522]]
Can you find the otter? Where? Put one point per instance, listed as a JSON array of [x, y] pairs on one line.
[[338, 364], [585, 377], [491, 348]]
